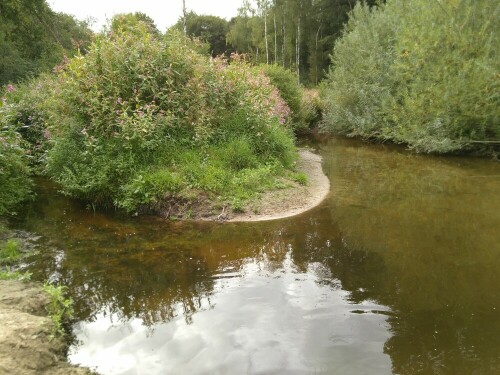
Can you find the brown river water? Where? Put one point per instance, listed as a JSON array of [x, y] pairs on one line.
[[397, 272]]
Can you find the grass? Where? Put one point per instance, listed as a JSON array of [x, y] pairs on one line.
[[300, 178], [9, 252], [15, 275]]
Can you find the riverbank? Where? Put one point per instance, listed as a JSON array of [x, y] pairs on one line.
[[293, 200], [27, 344]]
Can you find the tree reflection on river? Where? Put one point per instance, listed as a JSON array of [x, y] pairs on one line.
[[396, 272]]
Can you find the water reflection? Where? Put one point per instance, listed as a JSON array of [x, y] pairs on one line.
[[396, 272]]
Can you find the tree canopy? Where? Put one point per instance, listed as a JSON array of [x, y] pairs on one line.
[[209, 29], [418, 72], [33, 38]]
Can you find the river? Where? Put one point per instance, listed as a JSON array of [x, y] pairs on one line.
[[396, 272]]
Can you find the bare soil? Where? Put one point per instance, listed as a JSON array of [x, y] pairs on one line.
[[27, 345]]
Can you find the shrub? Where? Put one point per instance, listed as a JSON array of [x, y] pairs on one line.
[[15, 184], [141, 118], [311, 107], [417, 72], [26, 109], [289, 89], [9, 252]]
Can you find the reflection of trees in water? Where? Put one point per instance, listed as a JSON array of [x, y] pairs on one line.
[[154, 290], [393, 233], [431, 239], [444, 310]]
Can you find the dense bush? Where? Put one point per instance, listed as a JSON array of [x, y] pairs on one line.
[[289, 89], [311, 107], [141, 118], [26, 109], [15, 184], [418, 72], [305, 104]]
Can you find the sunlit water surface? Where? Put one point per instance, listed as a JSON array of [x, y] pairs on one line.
[[398, 271]]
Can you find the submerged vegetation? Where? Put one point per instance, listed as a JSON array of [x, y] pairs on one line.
[[420, 73]]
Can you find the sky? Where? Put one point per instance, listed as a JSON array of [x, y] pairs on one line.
[[165, 13]]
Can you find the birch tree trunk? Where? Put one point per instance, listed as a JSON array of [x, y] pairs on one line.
[[283, 47], [275, 40], [316, 57], [297, 48], [184, 16], [265, 34]]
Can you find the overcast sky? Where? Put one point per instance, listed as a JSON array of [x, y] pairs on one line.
[[165, 13]]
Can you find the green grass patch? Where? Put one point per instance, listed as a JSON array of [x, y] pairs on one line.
[[9, 252], [300, 178], [15, 275]]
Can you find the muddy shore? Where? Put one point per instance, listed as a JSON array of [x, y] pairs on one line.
[[27, 345]]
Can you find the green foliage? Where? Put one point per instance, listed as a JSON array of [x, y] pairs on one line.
[[140, 119], [209, 29], [300, 178], [311, 107], [148, 188], [133, 23], [9, 252], [420, 73], [15, 184], [60, 308], [15, 275], [33, 38], [25, 109], [289, 89]]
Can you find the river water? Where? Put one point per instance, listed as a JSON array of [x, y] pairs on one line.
[[397, 272]]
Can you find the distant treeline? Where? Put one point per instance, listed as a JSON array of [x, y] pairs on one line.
[[296, 34]]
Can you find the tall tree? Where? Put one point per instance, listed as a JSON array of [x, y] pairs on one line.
[[209, 29], [303, 33], [33, 38]]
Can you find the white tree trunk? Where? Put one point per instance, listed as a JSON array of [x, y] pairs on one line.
[[265, 35], [184, 16], [275, 40], [297, 48], [283, 47]]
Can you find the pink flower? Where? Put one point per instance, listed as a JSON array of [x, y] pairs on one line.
[[10, 88]]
